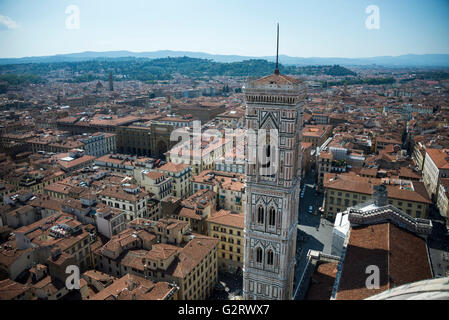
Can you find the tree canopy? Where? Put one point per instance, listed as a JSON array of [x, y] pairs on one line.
[[163, 69]]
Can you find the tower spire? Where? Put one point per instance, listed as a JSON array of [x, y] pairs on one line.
[[276, 71]]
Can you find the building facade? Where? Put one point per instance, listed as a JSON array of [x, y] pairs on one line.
[[145, 139], [230, 188], [129, 198], [344, 191], [228, 227], [443, 199], [99, 144], [181, 175], [436, 167]]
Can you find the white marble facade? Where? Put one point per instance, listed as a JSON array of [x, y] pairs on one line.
[[274, 102]]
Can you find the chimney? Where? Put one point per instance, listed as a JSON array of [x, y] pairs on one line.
[[380, 195]]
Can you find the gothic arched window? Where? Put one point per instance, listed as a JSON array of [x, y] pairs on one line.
[[267, 146], [270, 257], [260, 214], [259, 255], [272, 217]]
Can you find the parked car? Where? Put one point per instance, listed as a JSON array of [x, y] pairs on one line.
[[220, 287]]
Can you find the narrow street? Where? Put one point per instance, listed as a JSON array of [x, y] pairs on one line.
[[313, 232], [438, 244]]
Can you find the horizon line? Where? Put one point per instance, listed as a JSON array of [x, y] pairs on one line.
[[220, 54]]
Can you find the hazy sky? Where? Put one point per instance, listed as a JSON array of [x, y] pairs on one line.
[[309, 28]]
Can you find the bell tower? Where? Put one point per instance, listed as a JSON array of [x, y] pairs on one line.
[[274, 107]]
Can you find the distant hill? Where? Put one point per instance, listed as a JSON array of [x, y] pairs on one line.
[[409, 60], [145, 69]]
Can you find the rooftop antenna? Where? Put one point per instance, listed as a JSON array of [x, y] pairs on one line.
[[276, 71]]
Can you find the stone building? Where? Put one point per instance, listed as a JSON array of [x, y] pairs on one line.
[[273, 103]]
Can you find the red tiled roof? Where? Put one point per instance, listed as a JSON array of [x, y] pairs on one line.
[[322, 281], [400, 255], [228, 218], [439, 157]]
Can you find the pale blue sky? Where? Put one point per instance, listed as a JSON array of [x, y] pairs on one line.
[[309, 28]]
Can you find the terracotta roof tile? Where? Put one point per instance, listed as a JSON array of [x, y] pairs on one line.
[[388, 247]]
